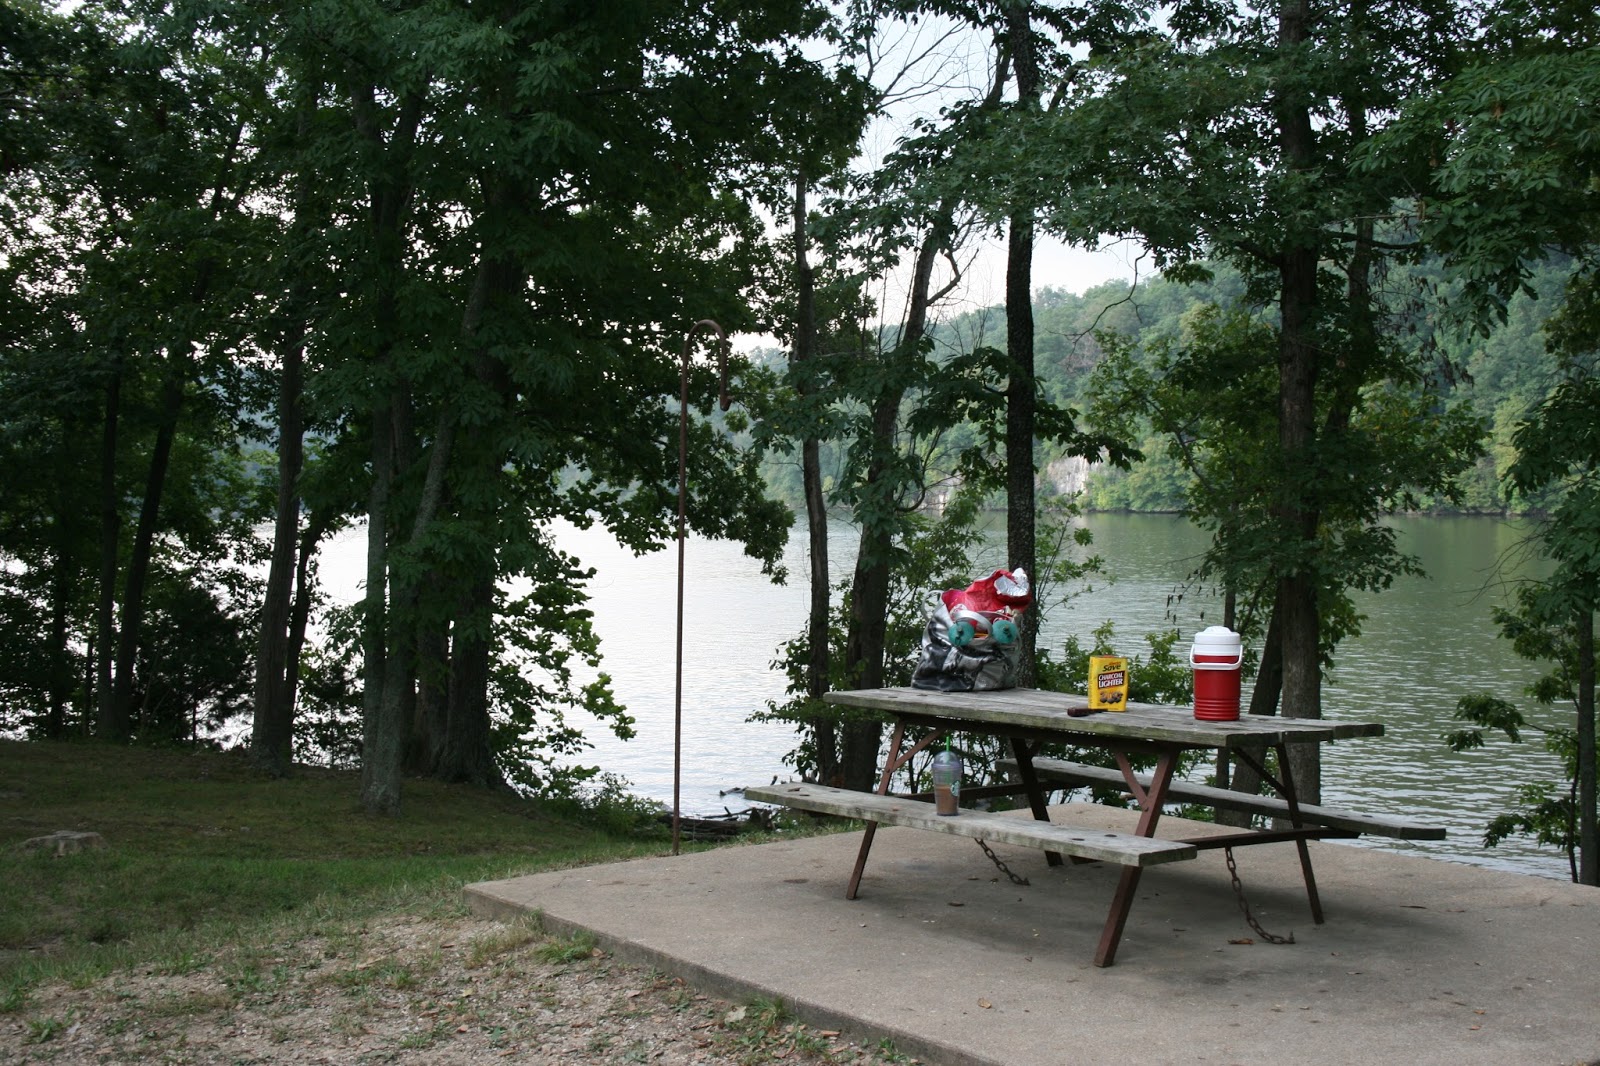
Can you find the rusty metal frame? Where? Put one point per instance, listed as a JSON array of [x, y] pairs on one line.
[[893, 762]]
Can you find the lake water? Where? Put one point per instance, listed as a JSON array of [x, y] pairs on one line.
[[1425, 643]]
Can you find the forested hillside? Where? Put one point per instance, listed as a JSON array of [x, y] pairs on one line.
[[1502, 375]]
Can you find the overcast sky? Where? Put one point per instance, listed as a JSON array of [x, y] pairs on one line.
[[929, 65]]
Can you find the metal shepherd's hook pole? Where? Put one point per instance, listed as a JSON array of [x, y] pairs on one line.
[[683, 493]]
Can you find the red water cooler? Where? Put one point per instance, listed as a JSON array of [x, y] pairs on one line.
[[1216, 657]]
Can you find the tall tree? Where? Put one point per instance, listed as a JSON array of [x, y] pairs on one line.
[[901, 397], [1022, 387], [1230, 135], [814, 490], [584, 211], [135, 191], [885, 481]]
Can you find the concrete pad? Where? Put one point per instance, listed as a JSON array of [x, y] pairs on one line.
[[1420, 961]]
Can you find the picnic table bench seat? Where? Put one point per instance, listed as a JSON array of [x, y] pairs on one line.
[[1061, 771], [1125, 849]]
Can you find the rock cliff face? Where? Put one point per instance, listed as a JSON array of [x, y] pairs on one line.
[[1067, 476]]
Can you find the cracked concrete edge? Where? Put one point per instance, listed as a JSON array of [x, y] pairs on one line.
[[486, 904]]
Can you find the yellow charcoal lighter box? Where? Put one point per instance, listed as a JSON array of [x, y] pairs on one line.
[[1108, 683]]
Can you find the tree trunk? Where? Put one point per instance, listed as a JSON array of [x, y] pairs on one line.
[[300, 616], [112, 725], [1296, 602], [143, 546], [869, 610], [63, 573], [380, 783], [1264, 701], [383, 755], [1588, 838], [381, 702], [432, 722], [272, 735], [1021, 517], [389, 679], [467, 754], [272, 732], [869, 590], [453, 692], [824, 732], [55, 722], [1021, 520]]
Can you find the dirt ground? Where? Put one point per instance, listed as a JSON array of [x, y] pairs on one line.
[[446, 991]]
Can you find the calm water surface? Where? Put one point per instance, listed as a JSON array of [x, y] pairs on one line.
[[1425, 642]]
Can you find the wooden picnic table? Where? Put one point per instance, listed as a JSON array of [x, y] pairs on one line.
[[1030, 718]]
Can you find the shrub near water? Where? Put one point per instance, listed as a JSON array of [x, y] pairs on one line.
[[203, 850]]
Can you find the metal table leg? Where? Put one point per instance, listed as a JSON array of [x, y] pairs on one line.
[[1284, 785], [1150, 800], [1294, 819], [1023, 752], [895, 760]]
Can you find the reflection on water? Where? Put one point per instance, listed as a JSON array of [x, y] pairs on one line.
[[1425, 642]]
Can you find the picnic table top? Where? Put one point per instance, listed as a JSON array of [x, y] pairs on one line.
[[1035, 710]]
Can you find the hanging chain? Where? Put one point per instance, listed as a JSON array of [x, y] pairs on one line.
[[1238, 893], [1000, 864]]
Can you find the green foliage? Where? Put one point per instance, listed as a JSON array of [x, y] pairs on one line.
[[439, 201], [541, 640], [434, 204], [1548, 811], [576, 948], [934, 553], [1161, 676], [1101, 352], [1549, 817], [1553, 620], [1513, 175], [135, 224], [1062, 543], [1559, 445], [1208, 394]]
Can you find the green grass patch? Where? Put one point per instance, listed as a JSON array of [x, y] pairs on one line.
[[573, 949], [504, 940], [205, 852]]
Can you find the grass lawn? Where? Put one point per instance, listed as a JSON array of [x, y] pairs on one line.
[[201, 849], [234, 917]]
